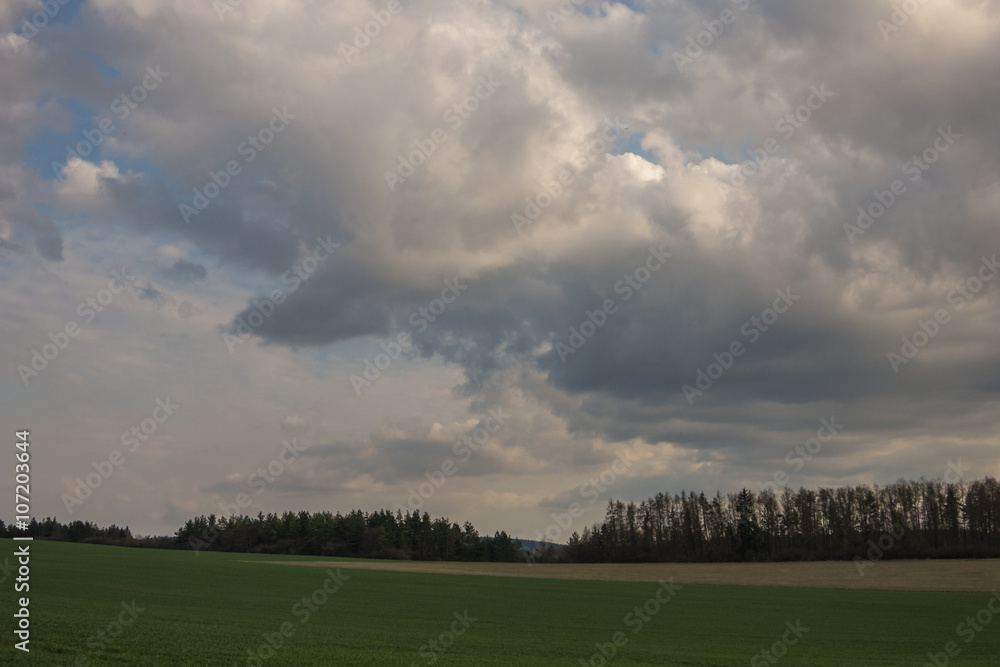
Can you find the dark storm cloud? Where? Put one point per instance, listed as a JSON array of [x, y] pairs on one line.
[[150, 293], [184, 271]]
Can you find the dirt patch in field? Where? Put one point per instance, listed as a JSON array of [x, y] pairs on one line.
[[900, 575]]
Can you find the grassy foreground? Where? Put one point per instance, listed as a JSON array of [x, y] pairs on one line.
[[215, 609]]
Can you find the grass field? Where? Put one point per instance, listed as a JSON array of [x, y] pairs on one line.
[[214, 609]]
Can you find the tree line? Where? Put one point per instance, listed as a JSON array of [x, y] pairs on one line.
[[74, 531], [381, 534], [926, 519]]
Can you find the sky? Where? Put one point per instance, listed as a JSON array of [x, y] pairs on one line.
[[495, 261]]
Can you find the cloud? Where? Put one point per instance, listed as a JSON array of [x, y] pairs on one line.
[[183, 272], [540, 146], [149, 293], [17, 214]]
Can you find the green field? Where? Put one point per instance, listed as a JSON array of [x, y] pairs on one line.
[[211, 609]]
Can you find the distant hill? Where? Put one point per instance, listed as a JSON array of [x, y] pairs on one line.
[[529, 545]]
